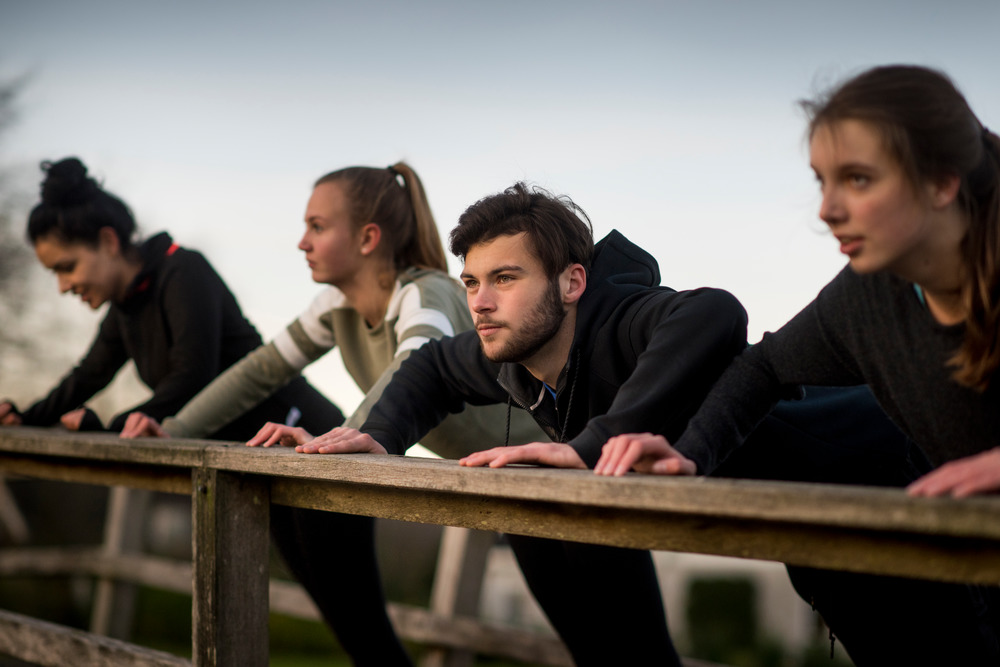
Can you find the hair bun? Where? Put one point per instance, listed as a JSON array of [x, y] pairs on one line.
[[67, 184]]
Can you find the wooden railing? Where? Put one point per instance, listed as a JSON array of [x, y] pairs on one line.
[[849, 528]]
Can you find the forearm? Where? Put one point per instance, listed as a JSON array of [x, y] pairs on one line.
[[435, 381], [238, 390], [685, 344]]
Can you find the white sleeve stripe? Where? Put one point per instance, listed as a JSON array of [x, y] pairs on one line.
[[413, 314], [411, 343], [311, 320], [289, 351], [425, 317]]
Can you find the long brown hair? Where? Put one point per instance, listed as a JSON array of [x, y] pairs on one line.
[[929, 128], [400, 209]]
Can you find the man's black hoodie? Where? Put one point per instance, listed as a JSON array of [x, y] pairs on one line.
[[643, 358]]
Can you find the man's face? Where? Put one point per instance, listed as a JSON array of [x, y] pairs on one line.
[[515, 307]]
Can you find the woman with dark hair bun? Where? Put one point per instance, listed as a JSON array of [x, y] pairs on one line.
[[169, 312]]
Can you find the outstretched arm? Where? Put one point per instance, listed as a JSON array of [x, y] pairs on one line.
[[678, 343], [97, 368], [436, 380], [263, 371]]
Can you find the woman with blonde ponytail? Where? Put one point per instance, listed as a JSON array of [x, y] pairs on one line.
[[371, 237]]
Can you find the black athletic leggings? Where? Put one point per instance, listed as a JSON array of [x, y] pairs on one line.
[[603, 601], [332, 555], [840, 435]]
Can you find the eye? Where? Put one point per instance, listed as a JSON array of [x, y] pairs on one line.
[[471, 284], [859, 180], [503, 279]]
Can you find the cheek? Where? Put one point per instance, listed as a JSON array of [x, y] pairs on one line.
[[898, 217]]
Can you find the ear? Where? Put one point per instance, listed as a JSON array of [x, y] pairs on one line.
[[370, 236], [107, 240], [573, 283], [943, 190]]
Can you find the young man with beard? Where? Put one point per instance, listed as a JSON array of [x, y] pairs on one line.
[[585, 339]]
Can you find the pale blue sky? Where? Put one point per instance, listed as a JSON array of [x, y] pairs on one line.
[[675, 122]]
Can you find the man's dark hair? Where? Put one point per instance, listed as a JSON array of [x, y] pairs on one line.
[[558, 231]]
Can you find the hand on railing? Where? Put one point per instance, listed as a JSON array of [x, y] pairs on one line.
[[9, 416], [341, 440], [279, 434], [642, 452], [553, 454], [140, 425], [962, 477], [81, 419]]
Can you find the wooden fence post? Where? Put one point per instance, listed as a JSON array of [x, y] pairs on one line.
[[458, 583], [11, 518], [114, 603], [230, 542]]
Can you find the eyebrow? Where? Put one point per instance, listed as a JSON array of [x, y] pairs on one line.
[[506, 268], [848, 166]]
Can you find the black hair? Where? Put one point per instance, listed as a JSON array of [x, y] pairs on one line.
[[74, 207], [558, 231]]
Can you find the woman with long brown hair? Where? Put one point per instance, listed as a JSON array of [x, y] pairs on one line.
[[910, 180]]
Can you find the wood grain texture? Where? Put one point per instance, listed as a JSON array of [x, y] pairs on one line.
[[41, 643]]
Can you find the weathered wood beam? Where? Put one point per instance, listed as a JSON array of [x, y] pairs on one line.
[[42, 643], [286, 597], [855, 548]]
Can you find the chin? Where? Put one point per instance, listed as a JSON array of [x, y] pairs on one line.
[[861, 266]]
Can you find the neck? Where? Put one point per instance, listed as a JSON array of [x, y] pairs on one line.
[[938, 267], [130, 269], [947, 307], [369, 291], [548, 362]]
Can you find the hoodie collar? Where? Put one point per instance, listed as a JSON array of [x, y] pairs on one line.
[[152, 253]]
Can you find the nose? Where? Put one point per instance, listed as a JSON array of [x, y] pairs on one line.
[[65, 284], [481, 301], [304, 244], [831, 209]]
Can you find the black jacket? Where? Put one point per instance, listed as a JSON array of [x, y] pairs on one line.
[[643, 358], [179, 323]]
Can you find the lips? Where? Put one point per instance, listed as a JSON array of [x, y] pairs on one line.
[[850, 245], [486, 329]]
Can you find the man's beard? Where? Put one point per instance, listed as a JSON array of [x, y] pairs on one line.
[[538, 328]]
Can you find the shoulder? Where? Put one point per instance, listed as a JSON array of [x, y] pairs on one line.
[[329, 298], [705, 302], [429, 281], [854, 292], [321, 310], [181, 262], [432, 296]]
